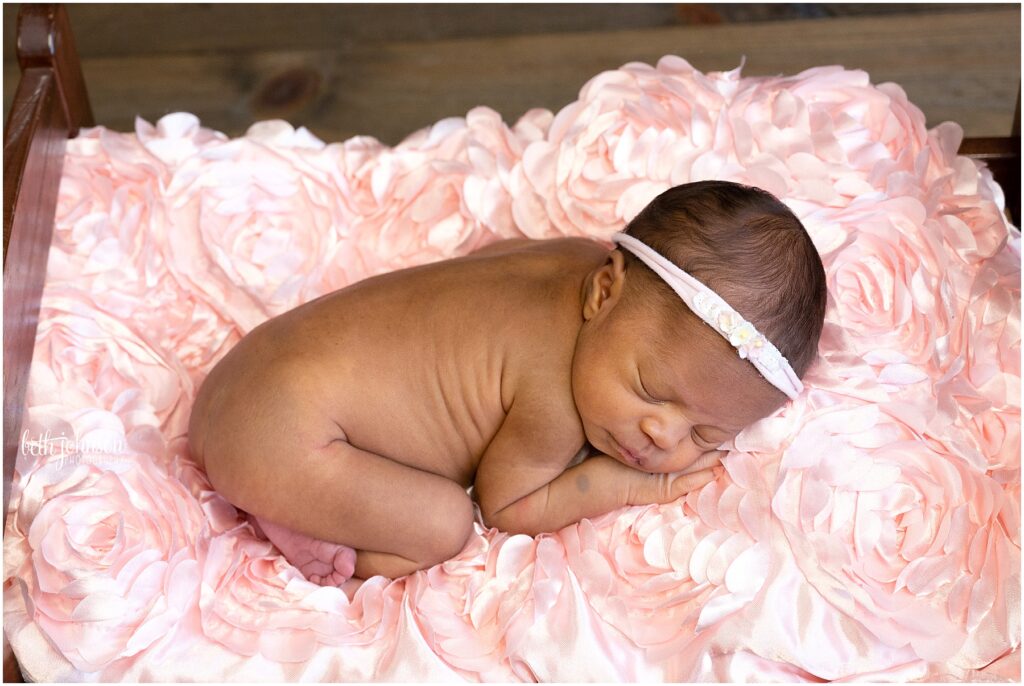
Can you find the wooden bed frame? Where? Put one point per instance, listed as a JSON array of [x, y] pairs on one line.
[[49, 107]]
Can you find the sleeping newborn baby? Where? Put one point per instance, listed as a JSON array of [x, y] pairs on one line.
[[351, 427]]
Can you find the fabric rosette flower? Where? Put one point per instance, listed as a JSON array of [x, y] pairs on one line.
[[474, 608], [109, 233], [492, 151], [88, 358], [826, 136], [678, 579], [250, 229], [887, 293], [254, 603], [633, 133], [491, 611], [905, 538], [968, 206], [546, 599], [784, 145], [107, 557], [418, 191], [854, 122], [440, 193], [105, 207]]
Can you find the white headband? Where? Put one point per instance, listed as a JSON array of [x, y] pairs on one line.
[[717, 313]]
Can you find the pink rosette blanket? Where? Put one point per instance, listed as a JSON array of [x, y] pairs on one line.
[[869, 530]]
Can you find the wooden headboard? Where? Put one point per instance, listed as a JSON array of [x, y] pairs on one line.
[[50, 105]]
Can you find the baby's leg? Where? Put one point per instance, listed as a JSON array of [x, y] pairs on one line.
[[322, 562], [399, 518]]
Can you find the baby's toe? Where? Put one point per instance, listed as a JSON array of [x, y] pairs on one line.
[[315, 568], [345, 563]]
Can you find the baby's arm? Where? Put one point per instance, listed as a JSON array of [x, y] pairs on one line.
[[523, 487], [599, 485]]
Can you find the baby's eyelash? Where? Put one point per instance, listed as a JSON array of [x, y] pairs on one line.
[[705, 444], [644, 388], [703, 441]]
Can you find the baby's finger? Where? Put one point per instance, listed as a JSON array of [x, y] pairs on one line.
[[684, 483], [705, 461]]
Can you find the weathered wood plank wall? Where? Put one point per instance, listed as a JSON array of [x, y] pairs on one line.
[[343, 70]]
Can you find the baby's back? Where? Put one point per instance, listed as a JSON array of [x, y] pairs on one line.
[[419, 366]]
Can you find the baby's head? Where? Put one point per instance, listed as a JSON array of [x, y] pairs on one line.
[[654, 383]]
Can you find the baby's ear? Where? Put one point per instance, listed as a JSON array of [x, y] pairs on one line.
[[603, 286]]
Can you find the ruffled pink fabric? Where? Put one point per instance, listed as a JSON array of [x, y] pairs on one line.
[[870, 530]]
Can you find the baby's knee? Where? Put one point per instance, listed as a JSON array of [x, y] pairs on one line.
[[456, 530]]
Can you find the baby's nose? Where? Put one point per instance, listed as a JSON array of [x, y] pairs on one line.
[[665, 432]]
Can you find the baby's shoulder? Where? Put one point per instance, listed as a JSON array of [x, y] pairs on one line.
[[545, 276], [547, 252]]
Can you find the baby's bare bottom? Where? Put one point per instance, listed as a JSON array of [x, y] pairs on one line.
[[398, 518]]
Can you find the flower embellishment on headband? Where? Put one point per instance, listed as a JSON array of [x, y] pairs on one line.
[[750, 343], [741, 334]]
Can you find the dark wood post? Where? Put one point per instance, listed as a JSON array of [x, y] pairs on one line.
[[49, 106]]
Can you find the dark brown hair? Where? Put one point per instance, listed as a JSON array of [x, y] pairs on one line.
[[748, 247]]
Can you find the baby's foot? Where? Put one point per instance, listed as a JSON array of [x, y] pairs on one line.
[[322, 562]]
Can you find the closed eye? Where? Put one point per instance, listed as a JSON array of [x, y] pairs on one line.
[[715, 444], [701, 441], [650, 396]]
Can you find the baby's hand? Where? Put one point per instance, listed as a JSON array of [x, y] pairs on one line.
[[653, 489]]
